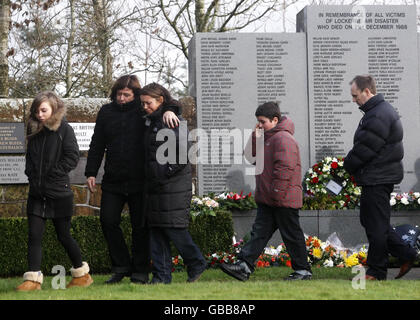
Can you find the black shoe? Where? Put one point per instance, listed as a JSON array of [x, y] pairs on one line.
[[140, 278], [196, 275], [235, 270], [116, 277], [297, 276]]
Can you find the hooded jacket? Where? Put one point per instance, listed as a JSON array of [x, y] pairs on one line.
[[52, 152], [279, 184], [169, 185], [377, 153]]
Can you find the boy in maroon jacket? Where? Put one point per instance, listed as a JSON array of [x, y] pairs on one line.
[[278, 195]]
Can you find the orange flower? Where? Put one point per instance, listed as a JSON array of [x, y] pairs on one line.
[[267, 264], [260, 264], [289, 263]]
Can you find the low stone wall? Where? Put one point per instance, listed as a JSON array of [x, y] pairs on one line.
[[322, 223]]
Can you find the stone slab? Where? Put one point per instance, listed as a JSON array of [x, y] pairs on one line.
[[344, 41], [230, 75]]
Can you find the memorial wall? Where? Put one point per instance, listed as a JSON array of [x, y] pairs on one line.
[[343, 41], [308, 73], [232, 75]]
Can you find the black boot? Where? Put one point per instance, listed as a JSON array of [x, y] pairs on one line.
[[117, 277]]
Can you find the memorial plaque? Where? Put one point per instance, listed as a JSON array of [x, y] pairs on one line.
[[12, 170], [12, 137], [230, 75], [344, 41], [83, 132]]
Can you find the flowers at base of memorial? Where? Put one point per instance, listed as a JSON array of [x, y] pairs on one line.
[[209, 204], [203, 205], [236, 201], [330, 186], [320, 254], [406, 200]]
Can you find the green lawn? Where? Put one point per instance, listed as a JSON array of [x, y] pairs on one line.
[[266, 284]]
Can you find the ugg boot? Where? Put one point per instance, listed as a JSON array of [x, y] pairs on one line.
[[81, 276], [32, 281]]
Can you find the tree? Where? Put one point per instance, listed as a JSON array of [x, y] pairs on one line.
[[185, 18], [4, 48]]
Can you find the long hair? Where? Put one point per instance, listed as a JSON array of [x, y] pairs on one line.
[[58, 112], [156, 91], [127, 81]]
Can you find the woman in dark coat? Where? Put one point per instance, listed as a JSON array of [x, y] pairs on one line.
[[169, 189], [52, 152]]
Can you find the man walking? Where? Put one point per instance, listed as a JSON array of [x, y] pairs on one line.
[[376, 163]]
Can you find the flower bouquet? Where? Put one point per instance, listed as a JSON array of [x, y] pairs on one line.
[[318, 181], [236, 201]]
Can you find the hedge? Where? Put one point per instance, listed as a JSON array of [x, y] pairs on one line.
[[210, 233]]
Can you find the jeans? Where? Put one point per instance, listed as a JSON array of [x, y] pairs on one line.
[[62, 226], [375, 217], [162, 257], [110, 215], [268, 220]]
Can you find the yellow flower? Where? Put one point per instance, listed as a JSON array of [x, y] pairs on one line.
[[352, 260], [317, 253]]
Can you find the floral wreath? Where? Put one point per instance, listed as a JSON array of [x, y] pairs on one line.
[[332, 169]]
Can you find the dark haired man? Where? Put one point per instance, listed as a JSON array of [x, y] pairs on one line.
[[278, 195], [376, 163], [118, 133]]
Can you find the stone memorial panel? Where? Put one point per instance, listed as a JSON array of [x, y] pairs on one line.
[[12, 170], [230, 75], [344, 41], [83, 132], [12, 137]]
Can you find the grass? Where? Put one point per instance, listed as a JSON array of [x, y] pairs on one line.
[[264, 284]]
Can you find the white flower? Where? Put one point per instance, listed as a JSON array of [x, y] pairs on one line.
[[328, 159], [404, 201], [418, 201], [393, 194], [357, 191], [197, 201], [310, 171], [222, 196], [328, 263], [416, 195], [392, 202], [411, 231], [344, 183], [326, 168]]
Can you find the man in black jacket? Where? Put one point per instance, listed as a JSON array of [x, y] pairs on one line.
[[376, 163], [119, 133]]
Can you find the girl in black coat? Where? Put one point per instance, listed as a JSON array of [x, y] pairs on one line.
[[52, 152], [169, 190]]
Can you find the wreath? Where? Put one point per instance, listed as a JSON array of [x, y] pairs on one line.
[[330, 186]]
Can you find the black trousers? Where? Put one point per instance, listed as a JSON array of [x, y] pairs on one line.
[[62, 226], [268, 220], [375, 217], [112, 205], [162, 257]]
